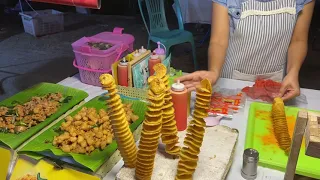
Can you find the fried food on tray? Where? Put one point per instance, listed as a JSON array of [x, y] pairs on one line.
[[280, 125], [195, 132], [131, 117], [28, 177], [86, 131], [21, 117]]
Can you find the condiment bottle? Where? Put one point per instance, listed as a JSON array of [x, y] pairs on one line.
[[180, 97], [136, 53], [160, 52], [142, 50], [154, 59], [123, 72]]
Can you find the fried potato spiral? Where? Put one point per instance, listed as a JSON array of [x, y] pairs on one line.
[[120, 126], [169, 129], [151, 130], [280, 125], [195, 132]]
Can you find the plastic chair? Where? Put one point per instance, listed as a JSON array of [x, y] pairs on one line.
[[159, 30]]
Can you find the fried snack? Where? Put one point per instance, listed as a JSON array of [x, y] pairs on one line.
[[280, 125], [86, 131], [195, 132], [169, 129], [151, 130], [28, 177], [21, 117], [120, 126], [131, 117]]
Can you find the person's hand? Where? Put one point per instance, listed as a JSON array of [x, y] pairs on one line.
[[290, 87], [191, 81]]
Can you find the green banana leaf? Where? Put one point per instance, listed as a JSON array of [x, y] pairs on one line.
[[14, 140], [43, 143]]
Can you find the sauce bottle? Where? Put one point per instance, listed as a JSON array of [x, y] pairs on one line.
[[160, 52], [136, 54], [154, 59], [142, 50], [123, 72], [180, 97]]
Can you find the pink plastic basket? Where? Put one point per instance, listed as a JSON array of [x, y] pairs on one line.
[[92, 63]]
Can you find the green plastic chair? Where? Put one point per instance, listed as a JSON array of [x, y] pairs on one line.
[[159, 30]]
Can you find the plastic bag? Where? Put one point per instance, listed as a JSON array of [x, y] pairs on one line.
[[265, 90], [226, 102]]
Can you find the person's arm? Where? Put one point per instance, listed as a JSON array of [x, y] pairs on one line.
[[217, 49], [299, 41], [219, 38], [297, 53]]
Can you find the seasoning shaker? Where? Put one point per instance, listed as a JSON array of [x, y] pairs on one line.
[[250, 164]]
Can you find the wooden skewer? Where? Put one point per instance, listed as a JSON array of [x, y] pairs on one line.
[[313, 135], [297, 137]]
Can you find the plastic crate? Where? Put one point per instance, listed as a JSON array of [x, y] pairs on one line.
[[39, 23]]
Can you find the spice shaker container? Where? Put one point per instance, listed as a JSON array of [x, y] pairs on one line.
[[250, 164]]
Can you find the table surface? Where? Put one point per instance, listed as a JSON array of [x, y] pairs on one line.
[[239, 122]]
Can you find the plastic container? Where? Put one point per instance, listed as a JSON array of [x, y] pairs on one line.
[[39, 23], [180, 97], [118, 36], [160, 52], [123, 72], [93, 62], [154, 59], [91, 65]]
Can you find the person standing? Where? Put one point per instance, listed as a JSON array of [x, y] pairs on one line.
[[253, 39]]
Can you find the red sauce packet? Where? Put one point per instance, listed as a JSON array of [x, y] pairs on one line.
[[226, 102]]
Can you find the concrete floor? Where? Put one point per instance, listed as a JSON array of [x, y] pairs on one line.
[[27, 60]]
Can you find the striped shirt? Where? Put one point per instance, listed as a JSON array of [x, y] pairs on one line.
[[234, 9]]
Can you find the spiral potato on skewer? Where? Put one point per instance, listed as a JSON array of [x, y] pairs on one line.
[[151, 130], [280, 125], [120, 126], [195, 132], [169, 129]]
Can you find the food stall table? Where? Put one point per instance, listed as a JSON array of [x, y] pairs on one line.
[[239, 122]]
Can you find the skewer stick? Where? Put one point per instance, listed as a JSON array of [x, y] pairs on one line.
[[297, 137]]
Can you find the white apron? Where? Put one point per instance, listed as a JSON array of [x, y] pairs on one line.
[[258, 47]]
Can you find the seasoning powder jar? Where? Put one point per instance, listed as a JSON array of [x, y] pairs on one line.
[[180, 97], [250, 164]]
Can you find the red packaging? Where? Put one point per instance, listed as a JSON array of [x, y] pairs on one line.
[[226, 102], [94, 4], [265, 90]]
